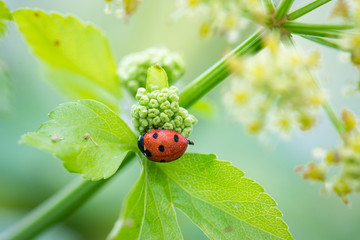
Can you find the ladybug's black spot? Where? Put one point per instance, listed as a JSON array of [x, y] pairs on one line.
[[148, 153], [155, 135], [141, 143], [176, 138], [161, 148], [162, 161]]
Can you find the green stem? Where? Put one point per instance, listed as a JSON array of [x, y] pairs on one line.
[[283, 9], [339, 126], [318, 27], [317, 32], [217, 73], [324, 42], [306, 9], [58, 207], [269, 5]]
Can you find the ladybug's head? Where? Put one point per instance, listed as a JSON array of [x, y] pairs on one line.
[[141, 143]]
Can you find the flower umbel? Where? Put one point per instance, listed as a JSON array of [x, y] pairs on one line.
[[226, 18], [160, 109], [345, 158], [274, 90], [133, 68]]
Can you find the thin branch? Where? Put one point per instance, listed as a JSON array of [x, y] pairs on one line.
[[324, 42], [217, 73], [283, 9], [269, 5], [306, 9]]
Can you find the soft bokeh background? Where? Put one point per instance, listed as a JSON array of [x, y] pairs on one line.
[[29, 176]]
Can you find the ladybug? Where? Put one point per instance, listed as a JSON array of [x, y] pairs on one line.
[[162, 145]]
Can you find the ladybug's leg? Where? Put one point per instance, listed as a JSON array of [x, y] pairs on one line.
[[190, 142]]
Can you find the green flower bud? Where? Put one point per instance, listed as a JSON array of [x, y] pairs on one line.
[[188, 121], [165, 91], [169, 113], [174, 97], [156, 121], [144, 100], [168, 126], [153, 103], [178, 121], [154, 111], [174, 90], [142, 112], [133, 68], [174, 106], [144, 123], [154, 94], [183, 112], [165, 105], [186, 131], [164, 117], [162, 97], [141, 92]]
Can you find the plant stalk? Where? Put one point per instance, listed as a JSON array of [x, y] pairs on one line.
[[328, 33], [283, 9], [318, 27], [269, 5], [217, 73], [324, 42], [306, 9], [57, 207]]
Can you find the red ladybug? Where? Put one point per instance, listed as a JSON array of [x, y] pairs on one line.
[[162, 145]]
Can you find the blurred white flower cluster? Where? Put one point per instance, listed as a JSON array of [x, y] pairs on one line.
[[226, 18], [349, 10], [345, 158], [274, 90], [121, 8]]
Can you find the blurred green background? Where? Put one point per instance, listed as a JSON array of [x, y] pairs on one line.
[[29, 176]]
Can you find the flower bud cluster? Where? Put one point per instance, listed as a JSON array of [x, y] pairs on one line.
[[349, 10], [274, 90], [222, 17], [133, 68], [160, 109], [345, 158]]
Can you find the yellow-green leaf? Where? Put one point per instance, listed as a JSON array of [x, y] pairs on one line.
[[156, 78], [74, 53], [87, 136], [5, 15]]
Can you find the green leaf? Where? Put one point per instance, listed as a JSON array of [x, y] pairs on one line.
[[156, 78], [5, 15], [214, 194], [148, 212], [87, 136], [77, 55]]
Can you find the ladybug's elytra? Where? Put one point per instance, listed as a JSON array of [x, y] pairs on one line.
[[162, 145]]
